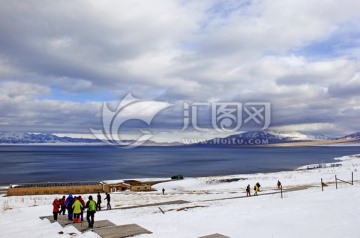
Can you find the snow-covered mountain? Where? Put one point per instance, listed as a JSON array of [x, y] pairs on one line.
[[299, 136], [15, 138], [40, 138], [269, 136], [352, 136]]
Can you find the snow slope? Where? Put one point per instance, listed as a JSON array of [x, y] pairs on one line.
[[303, 213]]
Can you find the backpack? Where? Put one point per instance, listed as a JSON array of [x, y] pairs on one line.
[[92, 206], [70, 202]]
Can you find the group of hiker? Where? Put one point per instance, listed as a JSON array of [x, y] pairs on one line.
[[75, 207], [98, 201], [257, 188]]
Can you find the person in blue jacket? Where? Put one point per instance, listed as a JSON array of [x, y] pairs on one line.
[[68, 203]]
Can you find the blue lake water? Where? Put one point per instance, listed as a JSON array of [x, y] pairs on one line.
[[20, 164]]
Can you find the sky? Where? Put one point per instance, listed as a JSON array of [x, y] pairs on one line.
[[61, 60]]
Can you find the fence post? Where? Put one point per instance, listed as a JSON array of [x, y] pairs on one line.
[[352, 178], [336, 181], [322, 185], [281, 191]]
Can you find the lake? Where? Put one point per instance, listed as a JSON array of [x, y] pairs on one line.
[[25, 164]]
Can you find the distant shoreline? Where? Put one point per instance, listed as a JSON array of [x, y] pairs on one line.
[[337, 142]]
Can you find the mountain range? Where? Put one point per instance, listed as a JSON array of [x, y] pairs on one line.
[[246, 139], [41, 138], [266, 137]]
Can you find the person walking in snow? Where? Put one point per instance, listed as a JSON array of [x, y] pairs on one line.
[[163, 191], [258, 185], [98, 202], [68, 203], [62, 206], [108, 206], [56, 205], [77, 207], [248, 191], [256, 188], [91, 210]]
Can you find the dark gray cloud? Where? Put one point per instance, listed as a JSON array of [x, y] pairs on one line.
[[347, 90], [296, 79]]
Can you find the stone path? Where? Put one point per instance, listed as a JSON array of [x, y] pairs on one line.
[[264, 193], [121, 231], [107, 229], [62, 220], [154, 204], [104, 228], [50, 218], [82, 227]]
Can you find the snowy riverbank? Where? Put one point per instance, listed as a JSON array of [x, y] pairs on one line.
[[218, 205]]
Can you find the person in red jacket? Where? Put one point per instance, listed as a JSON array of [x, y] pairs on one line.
[[83, 207], [62, 206], [56, 205]]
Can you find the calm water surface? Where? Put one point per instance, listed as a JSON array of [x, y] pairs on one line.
[[19, 164]]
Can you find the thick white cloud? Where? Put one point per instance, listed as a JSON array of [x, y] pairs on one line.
[[23, 108], [179, 51]]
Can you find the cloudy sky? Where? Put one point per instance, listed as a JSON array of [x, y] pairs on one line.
[[60, 60]]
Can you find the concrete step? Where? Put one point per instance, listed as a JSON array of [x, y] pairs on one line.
[[121, 231]]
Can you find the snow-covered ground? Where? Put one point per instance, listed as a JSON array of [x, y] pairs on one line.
[[307, 212]]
